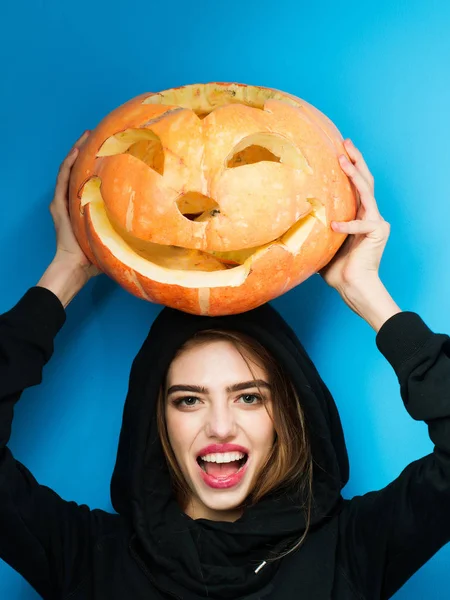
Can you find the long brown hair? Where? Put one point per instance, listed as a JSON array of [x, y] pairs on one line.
[[290, 463]]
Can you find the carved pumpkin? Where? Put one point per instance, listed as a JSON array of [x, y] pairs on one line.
[[211, 198]]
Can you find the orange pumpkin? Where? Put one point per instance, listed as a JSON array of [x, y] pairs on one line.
[[211, 198]]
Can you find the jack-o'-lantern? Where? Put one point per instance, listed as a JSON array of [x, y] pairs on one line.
[[211, 198]]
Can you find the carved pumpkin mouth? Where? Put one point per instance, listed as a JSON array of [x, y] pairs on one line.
[[176, 262]]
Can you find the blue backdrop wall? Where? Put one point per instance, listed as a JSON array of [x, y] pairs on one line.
[[379, 70]]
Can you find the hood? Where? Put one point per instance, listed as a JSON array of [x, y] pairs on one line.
[[208, 559]]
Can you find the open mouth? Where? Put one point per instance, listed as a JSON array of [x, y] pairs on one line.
[[222, 468]]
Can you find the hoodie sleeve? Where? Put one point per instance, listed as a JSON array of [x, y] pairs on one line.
[[42, 537], [389, 534]]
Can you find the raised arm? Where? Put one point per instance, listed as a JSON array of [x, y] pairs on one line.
[[387, 535], [43, 537]]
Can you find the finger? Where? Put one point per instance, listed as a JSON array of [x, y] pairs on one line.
[[365, 192], [358, 159], [358, 202], [59, 205], [358, 227], [80, 141], [60, 198], [62, 181], [71, 156]]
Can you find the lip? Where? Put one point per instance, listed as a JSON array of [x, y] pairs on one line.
[[216, 448], [224, 482], [221, 483]]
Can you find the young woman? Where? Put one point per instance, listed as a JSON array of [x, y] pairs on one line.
[[231, 457]]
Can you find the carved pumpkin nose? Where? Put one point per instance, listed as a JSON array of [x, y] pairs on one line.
[[197, 207], [211, 198]]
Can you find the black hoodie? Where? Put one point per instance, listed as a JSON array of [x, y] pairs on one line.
[[362, 548]]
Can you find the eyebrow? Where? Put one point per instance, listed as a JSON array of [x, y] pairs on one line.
[[236, 387]]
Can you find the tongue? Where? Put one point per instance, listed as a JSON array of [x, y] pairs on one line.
[[222, 470]]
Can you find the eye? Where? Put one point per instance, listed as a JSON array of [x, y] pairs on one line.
[[143, 144], [267, 147], [186, 401], [251, 399], [251, 155]]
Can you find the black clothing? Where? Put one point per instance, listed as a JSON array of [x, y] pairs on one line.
[[366, 547]]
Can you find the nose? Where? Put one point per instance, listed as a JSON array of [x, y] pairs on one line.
[[221, 422]]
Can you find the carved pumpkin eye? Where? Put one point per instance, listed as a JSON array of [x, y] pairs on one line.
[[251, 155], [143, 144], [150, 152], [267, 147]]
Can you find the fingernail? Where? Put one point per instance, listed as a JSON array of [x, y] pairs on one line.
[[74, 151], [343, 158]]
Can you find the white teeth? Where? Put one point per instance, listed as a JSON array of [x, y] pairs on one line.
[[223, 457]]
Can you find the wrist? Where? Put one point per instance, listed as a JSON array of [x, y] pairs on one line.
[[64, 279], [371, 301]]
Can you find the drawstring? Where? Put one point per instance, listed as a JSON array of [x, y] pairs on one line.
[[280, 547], [258, 569]]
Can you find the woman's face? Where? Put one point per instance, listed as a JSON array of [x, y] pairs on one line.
[[219, 426]]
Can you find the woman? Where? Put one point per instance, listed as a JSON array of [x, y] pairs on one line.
[[231, 456]]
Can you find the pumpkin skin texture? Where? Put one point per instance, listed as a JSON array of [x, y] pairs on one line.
[[211, 198]]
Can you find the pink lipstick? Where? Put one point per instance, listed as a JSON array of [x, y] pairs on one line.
[[223, 480], [220, 483], [217, 448]]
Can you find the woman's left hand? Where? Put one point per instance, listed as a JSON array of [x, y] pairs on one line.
[[355, 266]]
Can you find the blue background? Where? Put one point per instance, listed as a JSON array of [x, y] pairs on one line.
[[380, 70]]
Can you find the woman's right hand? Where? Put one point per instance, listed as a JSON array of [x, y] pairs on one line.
[[68, 249], [70, 269]]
